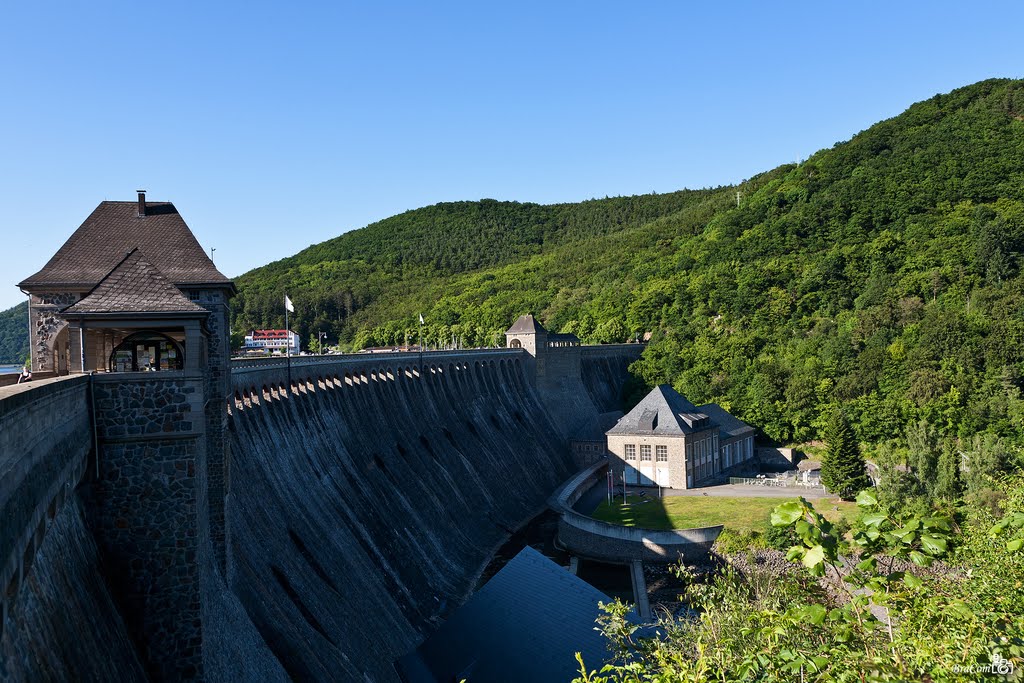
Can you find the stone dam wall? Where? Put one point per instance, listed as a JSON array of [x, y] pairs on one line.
[[60, 621], [364, 496], [364, 504]]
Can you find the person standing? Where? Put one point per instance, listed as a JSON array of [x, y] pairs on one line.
[[25, 376]]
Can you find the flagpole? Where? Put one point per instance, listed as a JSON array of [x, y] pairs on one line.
[[288, 343], [421, 345]]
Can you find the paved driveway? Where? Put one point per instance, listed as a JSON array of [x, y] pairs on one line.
[[738, 491]]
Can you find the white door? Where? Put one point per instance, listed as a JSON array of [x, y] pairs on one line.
[[646, 475], [631, 475], [663, 478]]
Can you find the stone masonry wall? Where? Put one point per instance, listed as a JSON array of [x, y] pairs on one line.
[[217, 389], [45, 325], [590, 538], [145, 512]]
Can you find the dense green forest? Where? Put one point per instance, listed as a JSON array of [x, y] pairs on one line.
[[881, 275], [14, 334], [397, 267]]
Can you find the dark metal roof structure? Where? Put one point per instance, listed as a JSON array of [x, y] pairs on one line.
[[114, 229], [663, 412], [133, 286], [525, 624], [526, 324], [594, 428], [729, 425]]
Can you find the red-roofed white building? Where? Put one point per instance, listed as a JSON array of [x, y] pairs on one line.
[[272, 341]]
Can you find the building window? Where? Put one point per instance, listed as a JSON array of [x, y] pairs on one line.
[[146, 351], [661, 453], [630, 451], [645, 453]]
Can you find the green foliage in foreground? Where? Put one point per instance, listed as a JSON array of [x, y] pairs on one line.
[[890, 617], [14, 334]]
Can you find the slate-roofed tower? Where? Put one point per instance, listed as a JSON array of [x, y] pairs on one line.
[[133, 297], [527, 333]]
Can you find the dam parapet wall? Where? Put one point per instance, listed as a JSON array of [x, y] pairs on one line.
[[250, 375], [45, 440], [362, 495]]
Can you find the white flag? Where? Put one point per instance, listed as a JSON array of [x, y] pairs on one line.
[[421, 318], [288, 304]]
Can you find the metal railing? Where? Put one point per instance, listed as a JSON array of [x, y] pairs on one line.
[[781, 482]]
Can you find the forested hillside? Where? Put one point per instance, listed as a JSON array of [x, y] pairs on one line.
[[882, 274], [14, 334], [354, 281]]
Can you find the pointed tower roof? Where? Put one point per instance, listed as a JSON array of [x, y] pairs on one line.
[[133, 286], [115, 228], [526, 324], [664, 411]]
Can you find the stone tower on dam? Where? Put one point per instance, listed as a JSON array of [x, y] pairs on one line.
[[196, 518]]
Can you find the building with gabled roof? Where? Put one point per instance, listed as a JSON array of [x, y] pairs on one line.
[[665, 440], [133, 286], [526, 333], [115, 228], [132, 297], [128, 258]]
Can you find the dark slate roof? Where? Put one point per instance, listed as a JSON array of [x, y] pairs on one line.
[[134, 286], [662, 412], [730, 426], [564, 336], [525, 624], [112, 230], [596, 426], [526, 324]]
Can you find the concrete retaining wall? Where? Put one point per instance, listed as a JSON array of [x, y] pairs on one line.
[[591, 538], [779, 459]]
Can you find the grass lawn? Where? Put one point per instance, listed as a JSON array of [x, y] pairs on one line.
[[684, 512]]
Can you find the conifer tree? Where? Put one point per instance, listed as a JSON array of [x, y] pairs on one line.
[[843, 470], [948, 483]]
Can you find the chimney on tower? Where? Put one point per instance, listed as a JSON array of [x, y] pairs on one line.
[[142, 203]]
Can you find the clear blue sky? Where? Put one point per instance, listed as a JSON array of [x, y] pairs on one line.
[[273, 126]]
